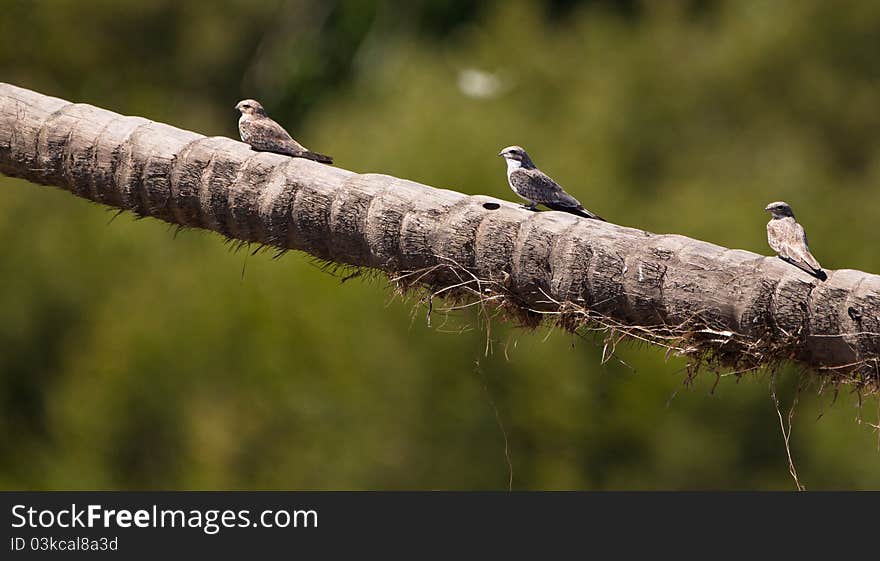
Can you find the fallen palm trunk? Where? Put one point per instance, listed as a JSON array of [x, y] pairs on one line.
[[731, 307]]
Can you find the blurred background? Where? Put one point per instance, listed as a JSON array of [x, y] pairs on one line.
[[131, 359]]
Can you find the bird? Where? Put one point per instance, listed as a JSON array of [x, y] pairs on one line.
[[265, 135], [788, 239], [537, 187]]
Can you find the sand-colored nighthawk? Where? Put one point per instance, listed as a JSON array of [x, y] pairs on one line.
[[536, 187], [788, 239], [265, 135]]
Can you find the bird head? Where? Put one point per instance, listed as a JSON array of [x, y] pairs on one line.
[[517, 154], [250, 107], [779, 209]]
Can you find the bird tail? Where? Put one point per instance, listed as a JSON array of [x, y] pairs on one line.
[[314, 156], [807, 268], [578, 210], [587, 214], [818, 273], [815, 268]]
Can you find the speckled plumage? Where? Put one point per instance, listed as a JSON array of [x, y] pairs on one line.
[[789, 240], [537, 187], [263, 134]]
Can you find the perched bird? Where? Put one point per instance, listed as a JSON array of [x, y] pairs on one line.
[[788, 239], [265, 135], [536, 187]]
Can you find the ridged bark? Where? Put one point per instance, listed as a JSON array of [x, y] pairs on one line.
[[734, 306]]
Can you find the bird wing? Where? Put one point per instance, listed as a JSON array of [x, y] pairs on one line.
[[529, 186], [537, 186], [802, 248], [267, 135], [788, 239]]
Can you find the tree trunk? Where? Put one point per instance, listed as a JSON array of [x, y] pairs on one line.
[[722, 306]]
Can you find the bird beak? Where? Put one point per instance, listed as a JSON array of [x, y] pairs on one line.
[[767, 208], [501, 154]]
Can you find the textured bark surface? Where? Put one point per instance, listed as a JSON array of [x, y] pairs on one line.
[[731, 306]]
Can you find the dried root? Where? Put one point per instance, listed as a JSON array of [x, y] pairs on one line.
[[706, 346]]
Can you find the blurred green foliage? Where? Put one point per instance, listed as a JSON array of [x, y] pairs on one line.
[[133, 359]]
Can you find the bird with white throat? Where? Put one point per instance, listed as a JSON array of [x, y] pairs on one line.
[[789, 240], [265, 135], [536, 187]]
